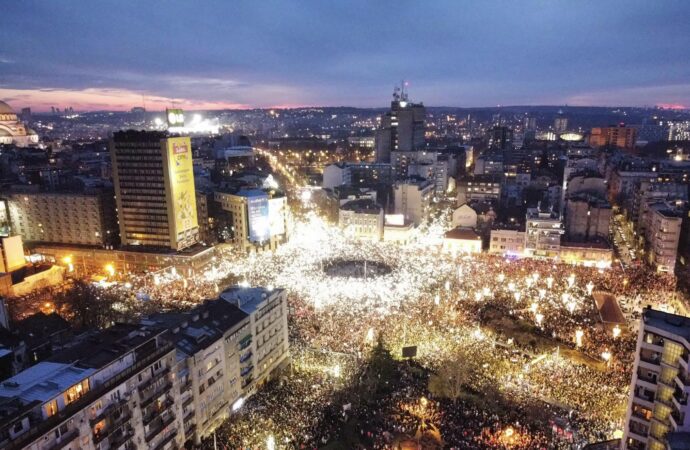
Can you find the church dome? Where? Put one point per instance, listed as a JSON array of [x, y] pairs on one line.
[[5, 108]]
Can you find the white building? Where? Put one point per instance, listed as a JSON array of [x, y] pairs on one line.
[[267, 334], [112, 390], [662, 236], [413, 199], [362, 219], [658, 416], [507, 242], [462, 240], [543, 233]]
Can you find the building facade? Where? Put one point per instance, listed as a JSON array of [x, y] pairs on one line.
[[154, 189], [658, 415], [64, 218], [543, 233], [401, 129], [413, 199], [362, 219], [259, 218], [620, 136]]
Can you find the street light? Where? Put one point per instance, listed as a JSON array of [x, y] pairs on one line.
[[110, 269]]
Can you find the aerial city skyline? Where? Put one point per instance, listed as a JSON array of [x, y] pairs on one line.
[[244, 55], [405, 225]]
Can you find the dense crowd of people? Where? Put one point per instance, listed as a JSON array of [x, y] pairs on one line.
[[530, 329]]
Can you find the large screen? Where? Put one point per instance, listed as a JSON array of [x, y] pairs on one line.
[[257, 210]]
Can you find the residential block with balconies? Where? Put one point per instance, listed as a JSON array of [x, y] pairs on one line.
[[658, 416]]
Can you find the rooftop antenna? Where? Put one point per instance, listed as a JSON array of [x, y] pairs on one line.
[[396, 93], [403, 94]]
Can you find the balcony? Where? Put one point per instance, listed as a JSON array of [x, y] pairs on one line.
[[186, 386], [165, 441], [158, 425], [245, 342], [66, 439], [643, 376], [651, 359], [148, 399], [647, 400], [155, 412], [245, 357], [120, 438], [244, 372], [641, 413], [154, 379], [112, 425]]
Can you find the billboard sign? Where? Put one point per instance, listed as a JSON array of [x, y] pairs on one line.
[[175, 117], [257, 212], [276, 215], [181, 179]]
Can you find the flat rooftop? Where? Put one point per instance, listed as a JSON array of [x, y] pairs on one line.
[[98, 349], [671, 323], [247, 298], [43, 381]]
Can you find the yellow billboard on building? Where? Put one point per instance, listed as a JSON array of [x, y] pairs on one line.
[[180, 178]]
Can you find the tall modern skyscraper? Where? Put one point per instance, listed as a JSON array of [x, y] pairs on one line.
[[402, 128], [658, 416], [560, 123], [154, 189]]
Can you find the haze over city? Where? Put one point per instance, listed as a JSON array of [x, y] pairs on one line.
[[344, 225], [244, 54]]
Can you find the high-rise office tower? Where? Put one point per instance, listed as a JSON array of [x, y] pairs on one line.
[[620, 136], [560, 123], [658, 416], [154, 189], [402, 128], [529, 123]]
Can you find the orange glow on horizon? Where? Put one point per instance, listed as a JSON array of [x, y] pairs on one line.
[[103, 99], [671, 106]]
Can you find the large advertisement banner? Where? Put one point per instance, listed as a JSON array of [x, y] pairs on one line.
[[257, 210], [276, 215], [181, 173]]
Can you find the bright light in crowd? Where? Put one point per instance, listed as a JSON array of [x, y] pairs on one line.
[[539, 318], [238, 404], [578, 337], [606, 355], [616, 331], [271, 443], [110, 269]]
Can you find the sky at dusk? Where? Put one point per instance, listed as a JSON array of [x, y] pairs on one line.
[[238, 54]]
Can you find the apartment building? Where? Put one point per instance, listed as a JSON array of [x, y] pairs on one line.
[[267, 335], [507, 242], [208, 360], [663, 235], [362, 219], [658, 415], [543, 233], [413, 199], [165, 383], [112, 390], [64, 218]]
